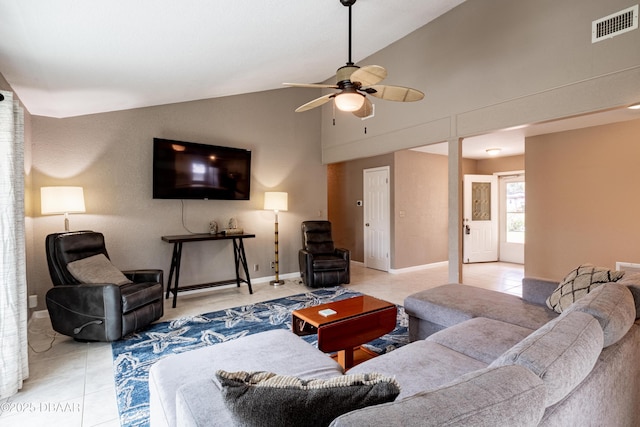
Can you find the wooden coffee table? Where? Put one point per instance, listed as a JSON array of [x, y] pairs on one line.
[[357, 320]]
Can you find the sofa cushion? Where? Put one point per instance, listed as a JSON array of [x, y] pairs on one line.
[[278, 350], [96, 269], [268, 399], [504, 396], [561, 353], [613, 306], [454, 303], [421, 365], [578, 283], [481, 338]]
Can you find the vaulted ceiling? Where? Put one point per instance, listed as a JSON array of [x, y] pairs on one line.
[[72, 57]]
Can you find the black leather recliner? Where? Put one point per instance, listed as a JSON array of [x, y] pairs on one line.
[[322, 264], [97, 312]]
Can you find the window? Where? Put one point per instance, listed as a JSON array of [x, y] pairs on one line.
[[515, 212]]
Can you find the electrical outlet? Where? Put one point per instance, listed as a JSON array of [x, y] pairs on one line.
[[273, 264], [33, 301], [256, 267]]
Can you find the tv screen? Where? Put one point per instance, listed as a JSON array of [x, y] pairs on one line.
[[187, 170]]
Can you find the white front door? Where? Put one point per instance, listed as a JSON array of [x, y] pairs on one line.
[[512, 213], [377, 225], [480, 220]]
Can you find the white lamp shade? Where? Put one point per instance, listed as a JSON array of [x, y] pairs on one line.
[[275, 201], [60, 200], [349, 101]]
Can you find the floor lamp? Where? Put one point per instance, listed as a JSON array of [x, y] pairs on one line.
[[276, 201], [62, 200]]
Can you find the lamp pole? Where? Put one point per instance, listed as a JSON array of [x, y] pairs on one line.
[[277, 281], [276, 201]]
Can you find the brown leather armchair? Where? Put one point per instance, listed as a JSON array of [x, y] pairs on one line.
[[321, 263], [98, 311]]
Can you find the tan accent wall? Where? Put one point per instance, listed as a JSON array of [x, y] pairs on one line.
[[419, 195], [110, 155], [582, 201], [500, 164], [420, 210], [345, 188]]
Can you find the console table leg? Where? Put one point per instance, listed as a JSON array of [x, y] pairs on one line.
[[241, 259], [175, 284], [174, 260]]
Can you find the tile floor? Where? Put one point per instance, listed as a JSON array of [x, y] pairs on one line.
[[71, 384]]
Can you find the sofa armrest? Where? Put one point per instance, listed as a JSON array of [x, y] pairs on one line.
[[145, 276], [493, 403], [536, 290]]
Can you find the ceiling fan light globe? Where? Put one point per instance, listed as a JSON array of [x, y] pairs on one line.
[[350, 101]]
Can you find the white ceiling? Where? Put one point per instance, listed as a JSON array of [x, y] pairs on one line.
[[73, 57]]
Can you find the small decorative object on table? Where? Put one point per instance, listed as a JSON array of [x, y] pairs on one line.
[[233, 223], [213, 227]]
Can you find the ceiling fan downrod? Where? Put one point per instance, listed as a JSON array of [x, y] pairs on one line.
[[349, 3]]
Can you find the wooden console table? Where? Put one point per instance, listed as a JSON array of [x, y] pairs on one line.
[[238, 256]]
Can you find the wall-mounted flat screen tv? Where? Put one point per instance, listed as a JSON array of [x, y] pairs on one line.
[[187, 170]]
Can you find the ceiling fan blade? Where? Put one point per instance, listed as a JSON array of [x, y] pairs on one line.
[[369, 75], [395, 93], [316, 85], [315, 103], [366, 110]]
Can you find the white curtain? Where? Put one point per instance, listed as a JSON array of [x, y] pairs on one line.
[[14, 367]]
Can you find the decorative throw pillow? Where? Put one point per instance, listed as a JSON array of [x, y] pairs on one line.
[[578, 283], [96, 269], [268, 399]]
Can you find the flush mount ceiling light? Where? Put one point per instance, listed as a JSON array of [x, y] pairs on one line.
[[635, 106], [355, 83], [493, 151]]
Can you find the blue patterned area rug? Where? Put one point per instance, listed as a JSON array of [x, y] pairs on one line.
[[136, 353]]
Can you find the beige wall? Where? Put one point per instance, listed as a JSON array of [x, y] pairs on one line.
[[420, 209], [345, 188], [582, 203], [500, 164], [110, 156], [418, 205], [488, 65]]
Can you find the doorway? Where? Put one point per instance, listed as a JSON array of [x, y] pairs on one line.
[[377, 223], [480, 220]]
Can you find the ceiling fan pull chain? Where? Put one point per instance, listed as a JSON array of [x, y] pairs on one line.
[[334, 113]]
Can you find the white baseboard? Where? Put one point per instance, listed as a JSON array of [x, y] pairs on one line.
[[418, 267], [38, 314], [294, 275]]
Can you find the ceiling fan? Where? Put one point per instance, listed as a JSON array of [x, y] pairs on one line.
[[355, 83]]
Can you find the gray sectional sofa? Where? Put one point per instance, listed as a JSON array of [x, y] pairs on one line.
[[477, 357]]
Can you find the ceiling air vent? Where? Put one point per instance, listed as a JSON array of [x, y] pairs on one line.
[[614, 24]]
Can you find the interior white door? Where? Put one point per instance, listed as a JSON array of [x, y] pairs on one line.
[[480, 220], [377, 225], [512, 218]]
